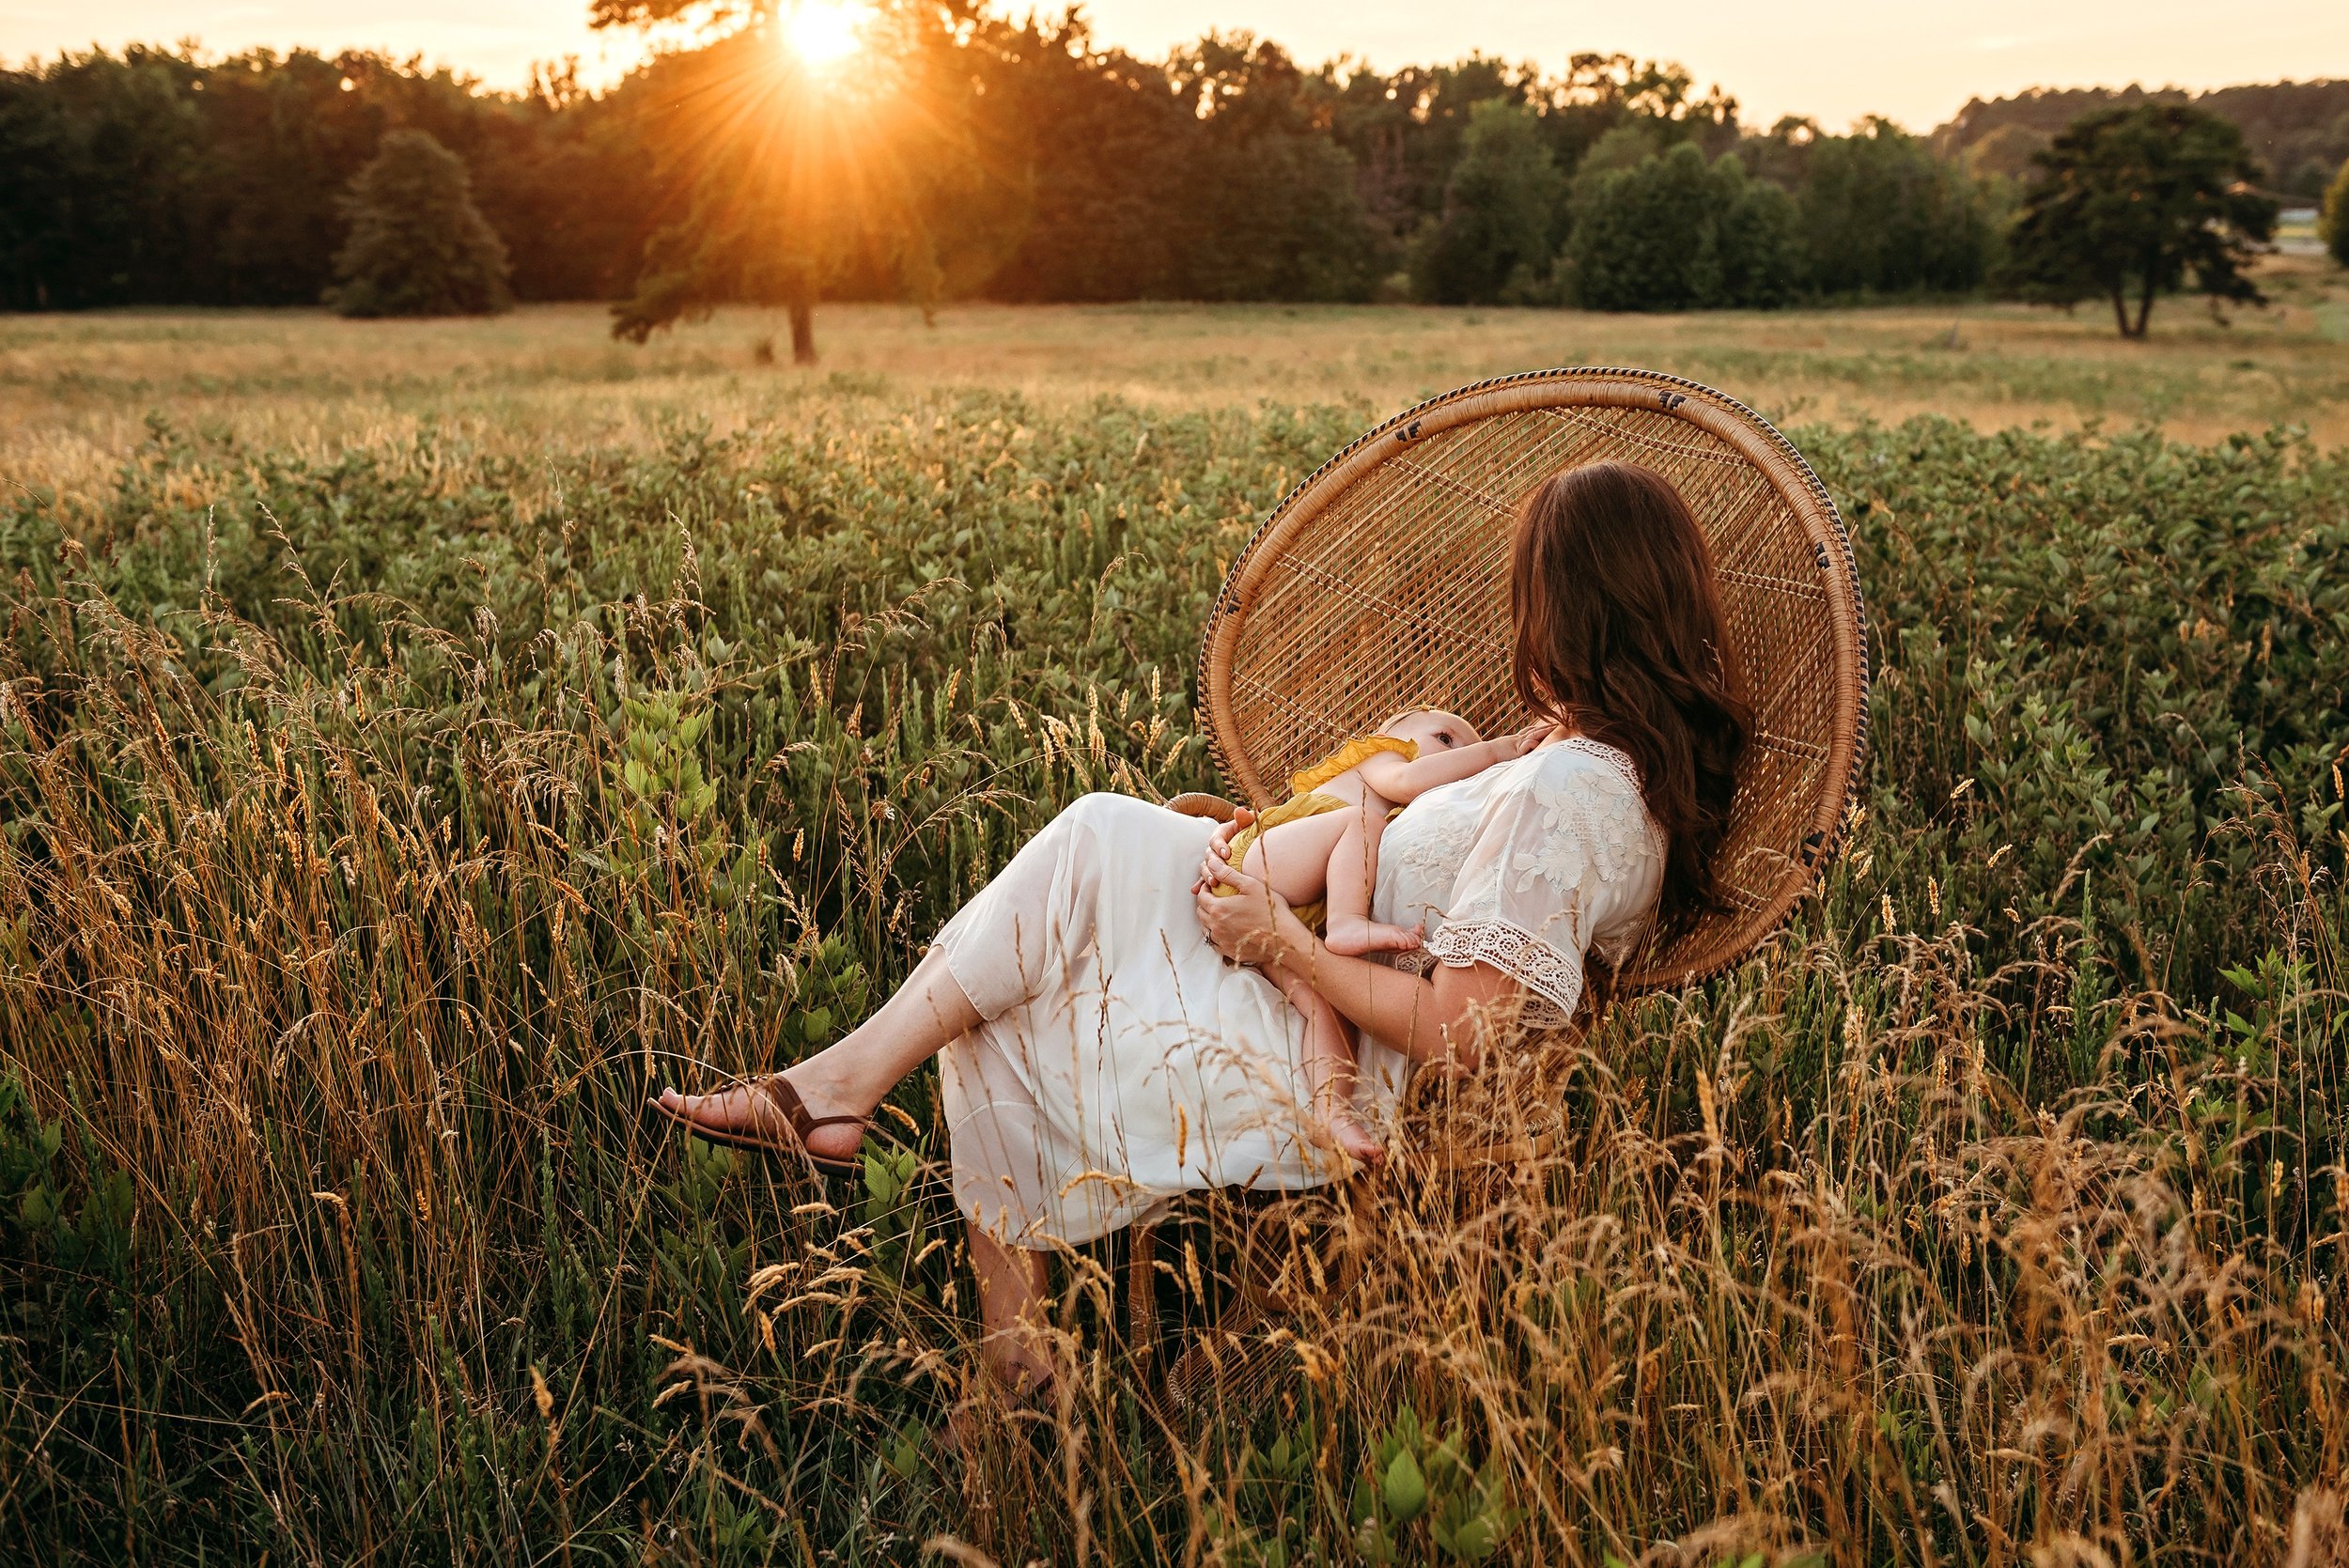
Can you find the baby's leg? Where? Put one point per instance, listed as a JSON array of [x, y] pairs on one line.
[[1352, 875], [1293, 859], [1330, 1071]]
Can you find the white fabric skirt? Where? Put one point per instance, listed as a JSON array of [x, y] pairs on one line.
[[1122, 1060]]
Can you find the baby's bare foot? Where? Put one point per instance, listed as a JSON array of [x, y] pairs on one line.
[[1354, 1139], [1335, 1123], [1354, 938]]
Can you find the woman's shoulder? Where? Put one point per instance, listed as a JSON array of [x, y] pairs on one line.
[[1585, 792], [1585, 766]]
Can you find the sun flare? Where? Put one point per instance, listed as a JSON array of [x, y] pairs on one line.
[[824, 32]]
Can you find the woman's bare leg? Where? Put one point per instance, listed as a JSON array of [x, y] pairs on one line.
[[1012, 1281], [848, 1078]]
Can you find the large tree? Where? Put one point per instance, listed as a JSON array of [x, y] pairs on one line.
[[2132, 202], [782, 173]]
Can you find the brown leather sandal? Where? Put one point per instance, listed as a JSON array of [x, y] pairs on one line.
[[767, 1141]]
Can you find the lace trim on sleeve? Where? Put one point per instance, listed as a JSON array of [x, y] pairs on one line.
[[1551, 975]]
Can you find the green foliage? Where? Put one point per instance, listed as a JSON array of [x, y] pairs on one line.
[[1272, 1517], [2333, 222], [1882, 215], [157, 176], [2137, 201], [1498, 230], [1276, 216], [418, 245], [1674, 233], [1419, 1487]]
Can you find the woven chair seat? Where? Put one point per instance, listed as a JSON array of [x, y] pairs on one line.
[[1381, 582]]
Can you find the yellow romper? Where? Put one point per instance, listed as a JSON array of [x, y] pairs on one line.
[[1306, 799]]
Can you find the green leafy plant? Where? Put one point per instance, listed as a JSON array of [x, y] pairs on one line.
[[1420, 1486]]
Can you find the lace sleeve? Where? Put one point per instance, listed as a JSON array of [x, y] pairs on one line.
[[1558, 855]]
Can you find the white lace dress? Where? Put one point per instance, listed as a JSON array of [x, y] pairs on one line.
[[1122, 1060]]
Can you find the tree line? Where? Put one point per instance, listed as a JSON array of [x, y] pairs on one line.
[[964, 155], [2297, 130]]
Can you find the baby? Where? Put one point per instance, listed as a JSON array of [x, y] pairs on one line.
[[1320, 851]]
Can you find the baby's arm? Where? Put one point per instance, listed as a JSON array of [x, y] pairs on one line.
[[1400, 781]]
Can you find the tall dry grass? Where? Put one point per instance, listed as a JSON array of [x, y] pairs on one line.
[[373, 843]]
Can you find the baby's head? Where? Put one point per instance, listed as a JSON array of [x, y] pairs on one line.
[[1433, 729]]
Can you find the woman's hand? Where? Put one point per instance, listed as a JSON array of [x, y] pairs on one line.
[[1220, 842], [1248, 924]]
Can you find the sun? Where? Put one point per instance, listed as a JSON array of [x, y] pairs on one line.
[[824, 32]]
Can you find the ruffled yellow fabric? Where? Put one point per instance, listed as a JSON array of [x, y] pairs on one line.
[[1306, 801], [1348, 757]]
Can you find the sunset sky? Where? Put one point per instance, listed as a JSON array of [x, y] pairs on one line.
[[1835, 59]]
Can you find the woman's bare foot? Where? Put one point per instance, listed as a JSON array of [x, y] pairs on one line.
[[995, 1402], [744, 1109], [1354, 938]]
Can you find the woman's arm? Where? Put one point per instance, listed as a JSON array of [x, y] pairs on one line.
[[1436, 1021]]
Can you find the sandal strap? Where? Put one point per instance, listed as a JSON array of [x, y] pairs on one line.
[[780, 1094]]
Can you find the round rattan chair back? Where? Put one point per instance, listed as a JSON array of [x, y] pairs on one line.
[[1382, 582]]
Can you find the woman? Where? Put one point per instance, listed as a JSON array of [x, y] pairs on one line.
[[1099, 1052]]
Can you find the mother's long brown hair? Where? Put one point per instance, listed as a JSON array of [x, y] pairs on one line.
[[1619, 637]]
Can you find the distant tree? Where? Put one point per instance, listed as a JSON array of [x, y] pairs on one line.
[[100, 182], [2134, 201], [2006, 151], [1284, 218], [1098, 138], [1601, 94], [1405, 132], [1882, 215], [2333, 226], [1624, 145], [1677, 233], [1501, 212], [418, 245], [1782, 154], [1757, 231]]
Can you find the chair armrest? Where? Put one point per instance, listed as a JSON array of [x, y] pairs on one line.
[[1213, 807]]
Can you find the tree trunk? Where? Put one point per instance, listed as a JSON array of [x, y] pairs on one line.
[[801, 305], [2144, 305], [2121, 306]]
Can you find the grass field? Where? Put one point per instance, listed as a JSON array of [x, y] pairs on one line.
[[418, 740], [74, 391]]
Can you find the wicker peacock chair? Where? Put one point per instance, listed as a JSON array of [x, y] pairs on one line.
[[1396, 551]]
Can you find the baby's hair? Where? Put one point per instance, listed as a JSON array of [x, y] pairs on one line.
[[1393, 719]]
